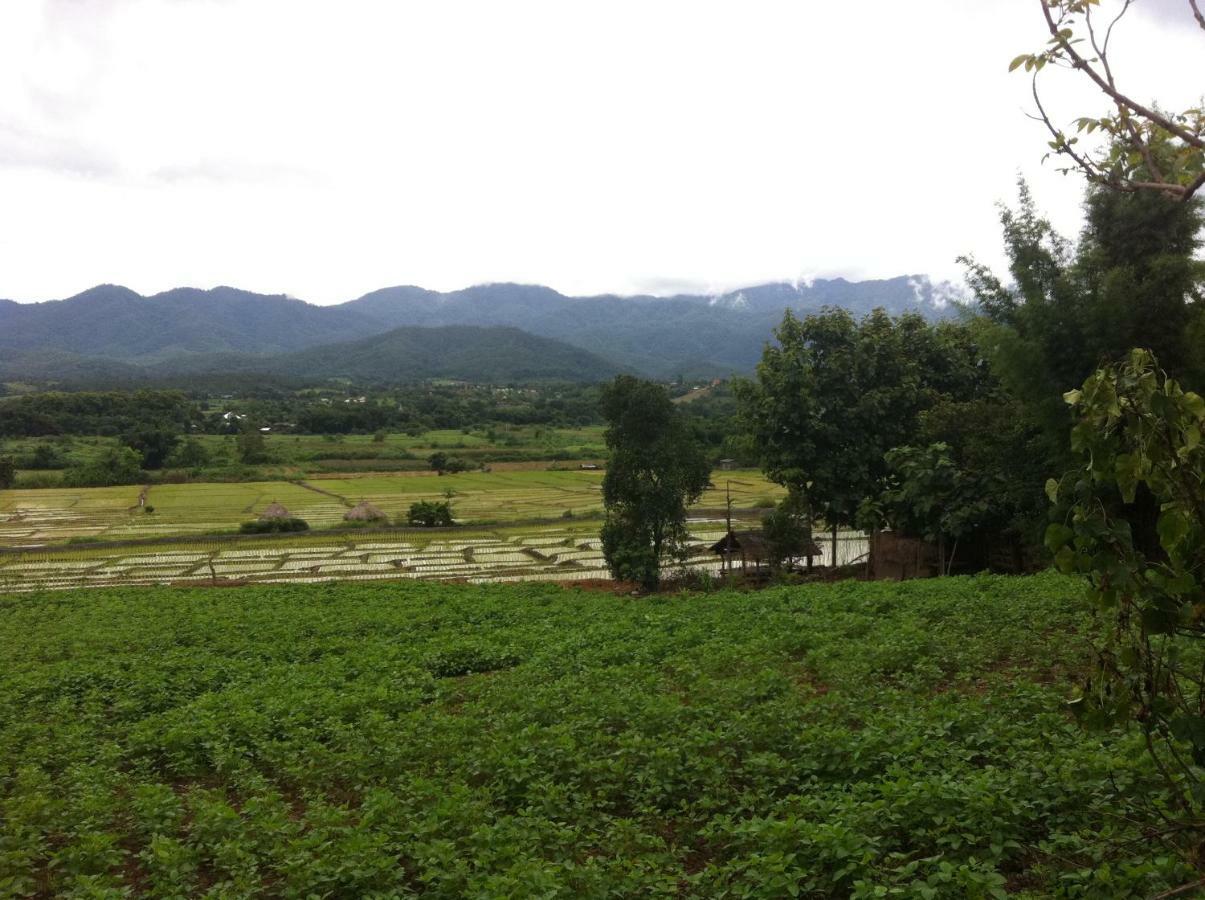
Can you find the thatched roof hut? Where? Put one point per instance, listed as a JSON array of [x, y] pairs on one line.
[[745, 544], [753, 546], [274, 511], [364, 512]]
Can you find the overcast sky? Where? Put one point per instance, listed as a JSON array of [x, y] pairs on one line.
[[326, 149]]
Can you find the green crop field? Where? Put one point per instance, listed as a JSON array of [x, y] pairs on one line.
[[530, 442], [296, 455], [452, 741]]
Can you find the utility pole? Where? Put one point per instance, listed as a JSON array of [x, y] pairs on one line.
[[728, 538]]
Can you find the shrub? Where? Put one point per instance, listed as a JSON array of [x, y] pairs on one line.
[[44, 456], [430, 514], [274, 526]]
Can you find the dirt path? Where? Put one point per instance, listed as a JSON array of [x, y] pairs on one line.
[[318, 490]]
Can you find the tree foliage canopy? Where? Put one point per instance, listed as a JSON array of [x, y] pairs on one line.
[[835, 394], [1133, 521], [655, 469]]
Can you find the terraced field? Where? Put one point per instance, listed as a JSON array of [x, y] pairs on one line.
[[49, 516], [479, 496], [59, 514], [541, 553], [195, 508]]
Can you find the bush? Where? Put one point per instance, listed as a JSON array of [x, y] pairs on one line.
[[430, 514], [444, 464], [189, 455], [274, 526], [44, 456]]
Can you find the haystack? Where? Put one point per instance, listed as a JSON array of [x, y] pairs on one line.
[[364, 512], [274, 511]]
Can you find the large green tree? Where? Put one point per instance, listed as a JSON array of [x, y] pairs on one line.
[[1131, 280], [153, 443], [655, 469], [834, 394]]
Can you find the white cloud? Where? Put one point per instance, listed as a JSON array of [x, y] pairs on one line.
[[329, 149]]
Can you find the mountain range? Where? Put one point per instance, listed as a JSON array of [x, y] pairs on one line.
[[493, 332]]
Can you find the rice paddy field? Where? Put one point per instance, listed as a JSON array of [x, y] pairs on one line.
[[48, 516], [560, 552]]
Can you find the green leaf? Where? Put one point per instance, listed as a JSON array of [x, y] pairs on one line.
[[1173, 526], [1018, 62], [1058, 536], [1052, 490]]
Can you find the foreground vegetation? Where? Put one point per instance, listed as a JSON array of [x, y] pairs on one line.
[[527, 740]]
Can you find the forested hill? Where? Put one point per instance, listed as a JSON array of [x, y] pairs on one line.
[[461, 352], [685, 334], [694, 334], [114, 322]]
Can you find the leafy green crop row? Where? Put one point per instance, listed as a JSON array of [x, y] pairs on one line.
[[531, 741]]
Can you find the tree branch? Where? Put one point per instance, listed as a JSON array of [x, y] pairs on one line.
[[1180, 891], [1119, 98], [1196, 11], [1089, 167]]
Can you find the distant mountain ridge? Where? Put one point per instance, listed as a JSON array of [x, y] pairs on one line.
[[111, 328], [114, 322], [695, 334]]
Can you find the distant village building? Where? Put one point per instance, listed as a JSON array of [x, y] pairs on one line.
[[589, 467], [727, 464]]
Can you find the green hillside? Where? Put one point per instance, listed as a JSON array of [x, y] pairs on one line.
[[462, 352]]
